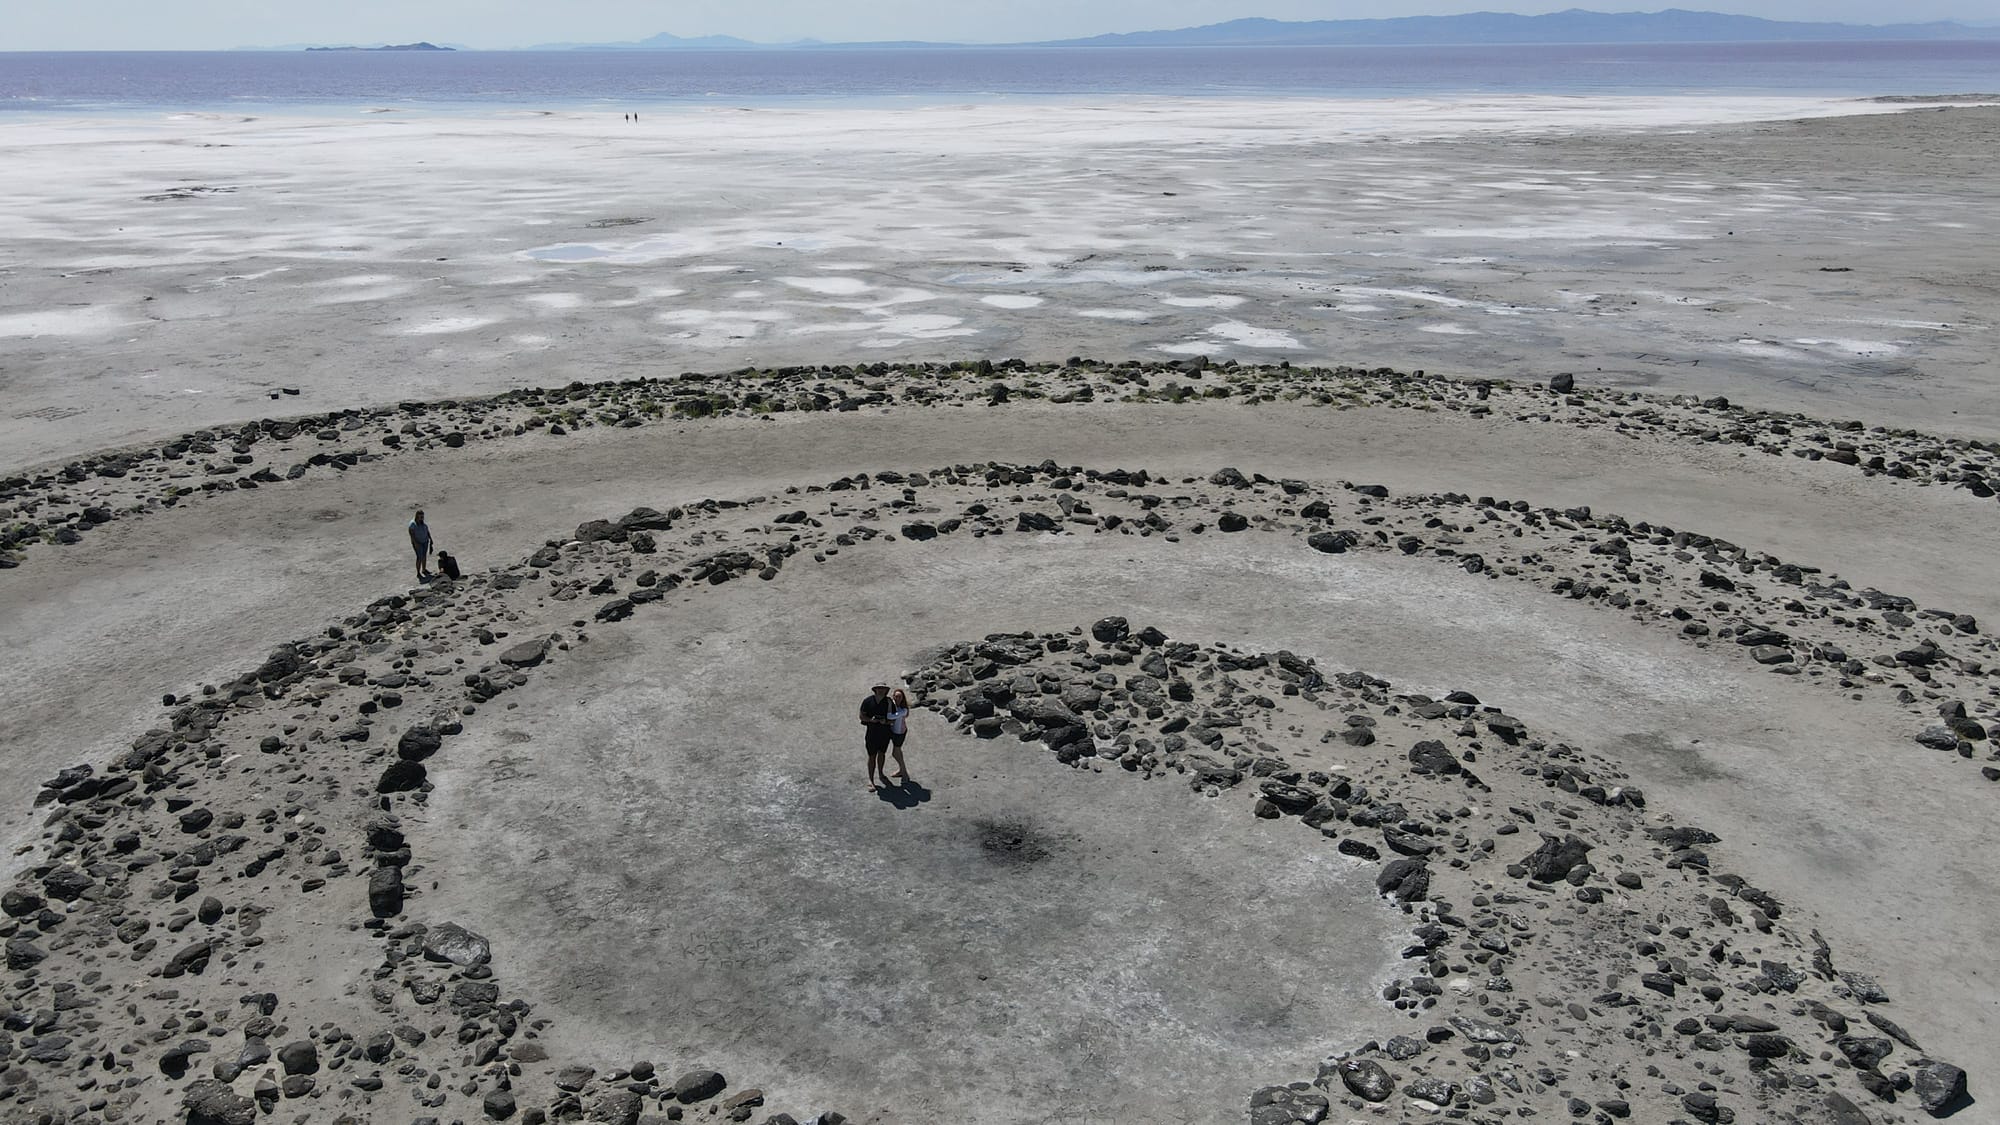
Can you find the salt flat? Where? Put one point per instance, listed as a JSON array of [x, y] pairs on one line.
[[167, 274]]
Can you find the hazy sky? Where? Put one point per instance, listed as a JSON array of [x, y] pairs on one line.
[[209, 24]]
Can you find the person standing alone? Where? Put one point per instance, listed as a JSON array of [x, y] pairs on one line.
[[420, 542]]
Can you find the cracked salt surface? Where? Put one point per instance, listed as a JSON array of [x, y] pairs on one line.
[[558, 301], [359, 231], [893, 329], [709, 328], [447, 325], [883, 300], [1238, 333], [687, 244], [1808, 349], [63, 322], [363, 296], [829, 286], [1580, 230], [1405, 294], [1851, 347]]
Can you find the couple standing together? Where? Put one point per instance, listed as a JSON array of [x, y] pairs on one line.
[[885, 720]]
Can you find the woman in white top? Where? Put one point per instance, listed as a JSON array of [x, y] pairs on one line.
[[899, 727]]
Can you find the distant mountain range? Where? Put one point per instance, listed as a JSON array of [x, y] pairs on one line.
[[391, 47], [1574, 26], [665, 42]]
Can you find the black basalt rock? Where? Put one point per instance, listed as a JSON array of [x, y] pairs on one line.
[[402, 776], [1556, 858], [1366, 1079]]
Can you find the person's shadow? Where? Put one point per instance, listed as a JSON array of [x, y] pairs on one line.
[[908, 795]]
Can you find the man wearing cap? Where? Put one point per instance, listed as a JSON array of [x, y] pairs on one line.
[[876, 727]]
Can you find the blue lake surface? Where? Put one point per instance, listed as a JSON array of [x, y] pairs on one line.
[[84, 82]]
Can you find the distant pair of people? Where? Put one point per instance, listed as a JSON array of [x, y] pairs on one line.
[[885, 722], [420, 542]]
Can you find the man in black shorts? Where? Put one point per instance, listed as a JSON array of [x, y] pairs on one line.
[[420, 542], [875, 727]]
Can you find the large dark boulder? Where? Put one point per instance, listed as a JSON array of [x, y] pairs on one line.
[[1111, 630], [1433, 757], [1938, 738], [1282, 1105], [1940, 1087], [385, 892], [418, 743], [17, 903], [281, 664], [300, 1057], [699, 1085], [1407, 878], [209, 1102], [1436, 1091], [1841, 1111], [191, 959], [1293, 799], [645, 519], [1204, 772], [66, 884], [402, 776], [1681, 836], [527, 654], [23, 954], [619, 1107], [1864, 1051], [1365, 1079], [1556, 858], [453, 943]]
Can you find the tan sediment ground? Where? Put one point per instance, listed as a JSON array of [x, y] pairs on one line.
[[707, 735]]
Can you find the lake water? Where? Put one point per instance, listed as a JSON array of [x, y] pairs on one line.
[[84, 82]]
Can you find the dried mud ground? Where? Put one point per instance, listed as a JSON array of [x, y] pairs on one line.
[[659, 824]]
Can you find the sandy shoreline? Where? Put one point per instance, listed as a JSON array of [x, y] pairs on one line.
[[184, 272]]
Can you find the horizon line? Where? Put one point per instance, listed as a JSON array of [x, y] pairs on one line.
[[735, 43]]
